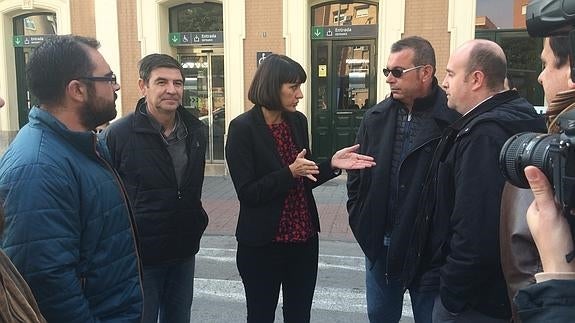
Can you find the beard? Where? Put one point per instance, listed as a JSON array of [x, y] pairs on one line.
[[97, 110]]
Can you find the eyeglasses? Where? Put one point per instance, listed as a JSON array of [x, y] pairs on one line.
[[110, 79], [398, 72]]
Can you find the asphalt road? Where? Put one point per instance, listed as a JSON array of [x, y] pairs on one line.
[[339, 294]]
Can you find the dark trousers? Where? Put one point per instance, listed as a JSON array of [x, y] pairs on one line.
[[263, 269]]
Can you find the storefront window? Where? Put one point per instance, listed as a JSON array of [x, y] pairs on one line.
[[339, 14], [503, 21], [197, 17]]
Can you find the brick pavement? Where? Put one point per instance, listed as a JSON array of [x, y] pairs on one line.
[[221, 204]]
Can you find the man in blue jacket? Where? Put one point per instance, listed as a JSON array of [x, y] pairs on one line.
[[69, 228], [159, 151]]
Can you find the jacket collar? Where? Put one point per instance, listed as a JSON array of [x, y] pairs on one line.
[[485, 106], [84, 141]]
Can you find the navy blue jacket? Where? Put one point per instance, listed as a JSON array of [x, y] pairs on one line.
[[68, 225], [170, 219]]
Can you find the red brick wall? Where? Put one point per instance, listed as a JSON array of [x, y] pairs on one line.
[[129, 53], [428, 19], [82, 15], [263, 34]]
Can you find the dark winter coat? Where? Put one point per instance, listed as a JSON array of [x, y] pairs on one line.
[[461, 206], [170, 219], [368, 189], [548, 301]]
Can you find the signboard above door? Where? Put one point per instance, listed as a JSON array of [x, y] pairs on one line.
[[343, 32]]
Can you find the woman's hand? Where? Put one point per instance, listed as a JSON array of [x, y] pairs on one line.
[[347, 158], [304, 167]]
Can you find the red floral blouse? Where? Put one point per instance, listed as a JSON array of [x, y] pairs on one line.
[[295, 222]]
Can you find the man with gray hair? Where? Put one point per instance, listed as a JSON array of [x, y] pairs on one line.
[[159, 151], [460, 207]]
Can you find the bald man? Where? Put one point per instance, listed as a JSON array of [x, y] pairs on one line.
[[460, 208]]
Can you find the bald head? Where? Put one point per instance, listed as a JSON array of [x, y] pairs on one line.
[[487, 57]]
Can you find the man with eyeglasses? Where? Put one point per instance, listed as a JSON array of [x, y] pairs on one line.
[[401, 133], [457, 231], [69, 228], [159, 151]]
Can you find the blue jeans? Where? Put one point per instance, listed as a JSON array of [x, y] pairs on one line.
[[168, 292], [385, 296]]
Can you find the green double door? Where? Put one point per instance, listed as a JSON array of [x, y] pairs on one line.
[[343, 80]]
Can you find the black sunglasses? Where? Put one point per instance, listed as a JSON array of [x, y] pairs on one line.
[[111, 79], [398, 72]]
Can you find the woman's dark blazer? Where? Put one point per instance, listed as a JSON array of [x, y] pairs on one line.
[[261, 180]]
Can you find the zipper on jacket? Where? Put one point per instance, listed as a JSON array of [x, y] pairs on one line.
[[397, 190], [130, 214]]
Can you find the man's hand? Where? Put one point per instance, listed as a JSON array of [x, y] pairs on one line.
[[550, 229]]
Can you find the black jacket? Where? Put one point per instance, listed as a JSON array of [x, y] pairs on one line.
[[170, 220], [368, 189], [548, 301], [261, 181], [461, 205]]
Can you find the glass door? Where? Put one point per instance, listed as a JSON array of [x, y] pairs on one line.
[[204, 98], [343, 87]]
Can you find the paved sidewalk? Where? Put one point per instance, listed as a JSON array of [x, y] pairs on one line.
[[221, 204]]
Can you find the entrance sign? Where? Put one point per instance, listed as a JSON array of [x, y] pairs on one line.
[[260, 56], [29, 41], [343, 32], [194, 38]]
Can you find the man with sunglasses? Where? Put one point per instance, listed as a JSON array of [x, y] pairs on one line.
[[69, 228], [159, 151], [457, 231], [401, 133]]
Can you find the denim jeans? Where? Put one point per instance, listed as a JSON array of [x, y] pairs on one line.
[[168, 292], [385, 296]]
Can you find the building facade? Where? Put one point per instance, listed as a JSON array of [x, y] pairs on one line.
[[343, 45]]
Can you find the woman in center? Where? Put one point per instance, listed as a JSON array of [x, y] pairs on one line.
[[270, 164]]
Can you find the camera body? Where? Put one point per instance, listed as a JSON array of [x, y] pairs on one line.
[[554, 154], [551, 18]]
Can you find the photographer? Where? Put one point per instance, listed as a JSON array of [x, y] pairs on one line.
[[519, 256], [549, 217], [552, 298]]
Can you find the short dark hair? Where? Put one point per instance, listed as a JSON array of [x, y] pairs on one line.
[[274, 71], [424, 54], [483, 57], [560, 47], [150, 62], [55, 63]]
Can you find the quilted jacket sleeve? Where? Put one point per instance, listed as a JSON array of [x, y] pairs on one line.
[[42, 238]]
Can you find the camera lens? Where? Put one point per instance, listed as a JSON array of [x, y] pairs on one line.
[[526, 149]]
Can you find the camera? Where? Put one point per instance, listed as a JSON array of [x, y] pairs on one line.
[[554, 154]]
